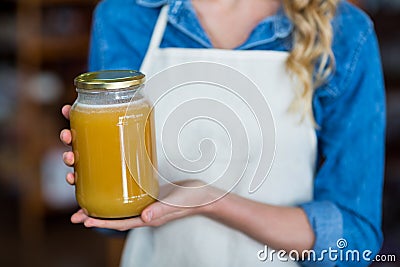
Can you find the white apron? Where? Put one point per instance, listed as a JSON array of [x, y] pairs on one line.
[[199, 241]]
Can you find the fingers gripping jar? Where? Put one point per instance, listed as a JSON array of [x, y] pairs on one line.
[[112, 140]]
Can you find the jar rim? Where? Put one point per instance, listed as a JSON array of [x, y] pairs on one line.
[[109, 80]]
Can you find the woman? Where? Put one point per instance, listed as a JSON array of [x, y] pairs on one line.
[[315, 196]]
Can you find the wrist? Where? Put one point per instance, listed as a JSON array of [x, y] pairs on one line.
[[217, 200]]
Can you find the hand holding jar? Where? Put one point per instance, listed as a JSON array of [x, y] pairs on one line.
[[111, 136]]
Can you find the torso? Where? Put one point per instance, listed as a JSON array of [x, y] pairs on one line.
[[206, 242]]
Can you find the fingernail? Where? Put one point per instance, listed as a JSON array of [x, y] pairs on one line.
[[149, 216]]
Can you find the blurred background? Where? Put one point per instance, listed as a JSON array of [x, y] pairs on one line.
[[43, 46]]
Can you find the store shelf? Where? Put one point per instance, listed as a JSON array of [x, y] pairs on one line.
[[53, 49], [52, 36]]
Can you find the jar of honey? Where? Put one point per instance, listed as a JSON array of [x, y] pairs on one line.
[[113, 144]]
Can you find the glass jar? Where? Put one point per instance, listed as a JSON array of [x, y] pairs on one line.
[[112, 140]]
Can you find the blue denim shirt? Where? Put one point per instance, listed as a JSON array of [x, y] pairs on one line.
[[349, 108]]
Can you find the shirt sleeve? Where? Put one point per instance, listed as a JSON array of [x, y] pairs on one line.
[[121, 33], [346, 211]]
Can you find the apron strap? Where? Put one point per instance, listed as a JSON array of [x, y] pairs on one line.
[[157, 36]]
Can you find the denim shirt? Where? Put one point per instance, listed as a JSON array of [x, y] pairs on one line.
[[349, 109]]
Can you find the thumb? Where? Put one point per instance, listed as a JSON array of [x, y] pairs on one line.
[[151, 212], [157, 210]]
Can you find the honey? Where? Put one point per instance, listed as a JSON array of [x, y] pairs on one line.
[[114, 155]]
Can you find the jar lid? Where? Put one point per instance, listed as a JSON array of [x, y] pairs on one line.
[[109, 79]]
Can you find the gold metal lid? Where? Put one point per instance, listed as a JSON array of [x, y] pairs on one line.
[[109, 80]]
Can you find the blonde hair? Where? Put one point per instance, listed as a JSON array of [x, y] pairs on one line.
[[311, 59]]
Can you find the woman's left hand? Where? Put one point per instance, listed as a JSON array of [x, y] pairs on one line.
[[159, 213]]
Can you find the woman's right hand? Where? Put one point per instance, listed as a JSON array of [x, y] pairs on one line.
[[66, 138]]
